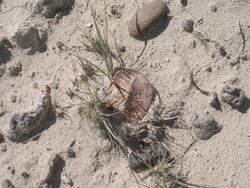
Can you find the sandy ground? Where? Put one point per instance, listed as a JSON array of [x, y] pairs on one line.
[[222, 161]]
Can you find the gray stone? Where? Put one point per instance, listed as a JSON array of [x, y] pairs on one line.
[[203, 125], [187, 25], [5, 53], [2, 109], [214, 100], [30, 38], [213, 8], [233, 96], [24, 123], [7, 184], [15, 70], [49, 8], [13, 98], [2, 139]]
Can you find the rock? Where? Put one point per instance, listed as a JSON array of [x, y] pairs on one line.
[[2, 69], [13, 98], [30, 38], [146, 18], [66, 179], [184, 2], [24, 123], [222, 51], [25, 175], [214, 101], [5, 53], [89, 25], [15, 70], [245, 57], [213, 8], [49, 8], [187, 25], [233, 96], [52, 171], [2, 109], [203, 125], [7, 184], [121, 48], [192, 44], [116, 10], [2, 139], [71, 153], [12, 170]]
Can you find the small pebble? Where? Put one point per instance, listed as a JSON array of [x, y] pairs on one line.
[[245, 57], [122, 48], [184, 2], [2, 139], [222, 51], [89, 25], [15, 70], [71, 153], [2, 109], [26, 175], [233, 96], [192, 44], [187, 25], [214, 100], [13, 98], [213, 8], [7, 184], [203, 125]]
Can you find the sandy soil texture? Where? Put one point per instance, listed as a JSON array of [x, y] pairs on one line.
[[187, 68]]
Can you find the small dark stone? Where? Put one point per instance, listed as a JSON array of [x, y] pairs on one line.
[[2, 139], [2, 109], [203, 125], [214, 102], [222, 51], [245, 57], [188, 25], [184, 2], [26, 175], [15, 70], [7, 184], [13, 98], [213, 8], [122, 48], [233, 96], [71, 153]]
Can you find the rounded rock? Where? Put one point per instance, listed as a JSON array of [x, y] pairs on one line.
[[203, 125], [213, 8], [146, 18], [7, 184], [187, 25], [233, 96]]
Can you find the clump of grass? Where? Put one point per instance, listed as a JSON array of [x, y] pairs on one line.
[[93, 105]]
